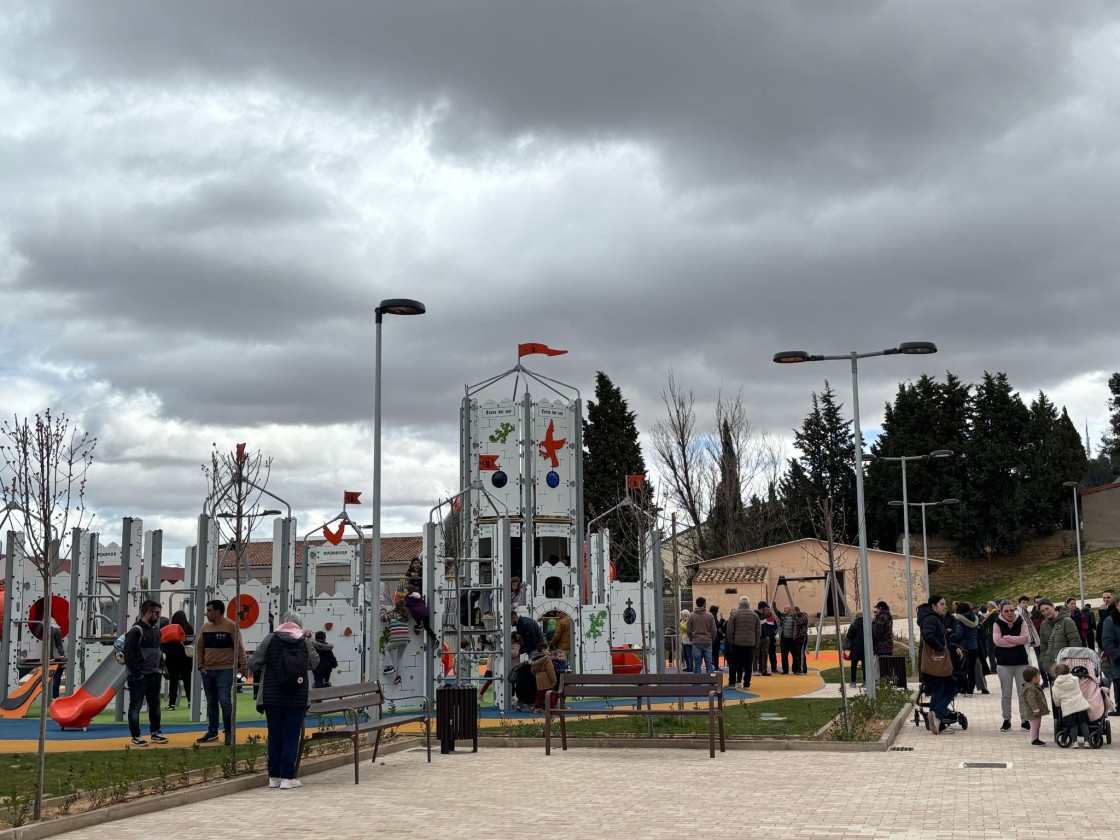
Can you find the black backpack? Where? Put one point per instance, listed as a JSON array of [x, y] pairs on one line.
[[293, 664]]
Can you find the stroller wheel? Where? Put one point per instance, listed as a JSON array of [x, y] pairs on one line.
[[1107, 732], [1063, 739], [1096, 741], [963, 721], [917, 718]]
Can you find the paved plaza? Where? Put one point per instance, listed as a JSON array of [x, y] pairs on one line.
[[637, 793]]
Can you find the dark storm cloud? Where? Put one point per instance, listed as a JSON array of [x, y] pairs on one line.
[[780, 92]]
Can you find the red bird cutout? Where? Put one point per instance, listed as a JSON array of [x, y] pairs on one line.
[[334, 537], [549, 446]]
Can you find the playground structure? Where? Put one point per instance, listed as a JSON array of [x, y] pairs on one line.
[[90, 611], [519, 514]]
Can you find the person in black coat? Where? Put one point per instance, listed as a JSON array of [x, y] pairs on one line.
[[931, 623], [855, 648], [178, 663]]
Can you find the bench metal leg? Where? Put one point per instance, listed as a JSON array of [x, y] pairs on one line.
[[428, 736], [299, 752], [376, 744], [356, 741]]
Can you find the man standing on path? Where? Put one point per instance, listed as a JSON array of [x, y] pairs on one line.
[[743, 631], [787, 628], [214, 653], [1026, 611], [701, 629], [143, 656], [801, 639]]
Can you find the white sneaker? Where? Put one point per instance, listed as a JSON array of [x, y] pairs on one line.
[[288, 784], [273, 782]]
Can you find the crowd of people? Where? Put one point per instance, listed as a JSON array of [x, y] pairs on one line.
[[961, 646]]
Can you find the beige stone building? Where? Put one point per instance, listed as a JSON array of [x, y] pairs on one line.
[[1100, 516], [803, 563]]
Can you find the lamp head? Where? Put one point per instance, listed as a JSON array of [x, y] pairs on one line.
[[942, 453], [917, 348], [950, 502], [895, 503], [792, 357], [401, 306], [1071, 484]]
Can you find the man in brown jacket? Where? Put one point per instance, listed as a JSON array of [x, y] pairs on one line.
[[701, 630], [743, 630], [214, 653]]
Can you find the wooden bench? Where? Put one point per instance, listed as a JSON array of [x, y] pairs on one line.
[[353, 702], [648, 687]]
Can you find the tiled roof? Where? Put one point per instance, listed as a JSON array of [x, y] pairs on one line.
[[731, 574], [399, 548]]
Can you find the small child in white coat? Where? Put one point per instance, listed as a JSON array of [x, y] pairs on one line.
[[1066, 689]]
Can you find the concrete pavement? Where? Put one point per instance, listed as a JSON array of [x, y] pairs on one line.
[[593, 793]]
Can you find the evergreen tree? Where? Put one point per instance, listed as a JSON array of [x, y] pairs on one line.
[[1110, 443], [727, 518], [1054, 454], [925, 416], [825, 469], [992, 502], [612, 452]]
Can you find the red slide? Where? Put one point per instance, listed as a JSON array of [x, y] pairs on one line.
[[81, 707]]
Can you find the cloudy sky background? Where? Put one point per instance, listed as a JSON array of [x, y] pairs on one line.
[[203, 203]]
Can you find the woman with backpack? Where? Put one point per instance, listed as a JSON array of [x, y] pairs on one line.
[[283, 662]]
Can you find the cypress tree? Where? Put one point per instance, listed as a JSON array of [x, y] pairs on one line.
[[611, 452]]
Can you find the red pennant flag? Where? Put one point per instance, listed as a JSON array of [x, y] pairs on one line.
[[241, 456], [488, 463], [350, 497], [457, 504], [634, 482], [534, 347]]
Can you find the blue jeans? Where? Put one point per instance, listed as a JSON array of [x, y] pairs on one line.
[[217, 685], [942, 690], [285, 727], [700, 654]]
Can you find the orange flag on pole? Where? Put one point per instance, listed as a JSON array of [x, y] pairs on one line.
[[535, 347]]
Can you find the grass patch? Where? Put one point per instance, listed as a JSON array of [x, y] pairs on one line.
[[1056, 579], [94, 779], [792, 717]]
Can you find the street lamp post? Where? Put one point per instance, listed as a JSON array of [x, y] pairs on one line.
[[1077, 533], [925, 546], [913, 348], [391, 306], [902, 459]]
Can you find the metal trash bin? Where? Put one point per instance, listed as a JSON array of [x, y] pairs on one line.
[[893, 668], [456, 716]]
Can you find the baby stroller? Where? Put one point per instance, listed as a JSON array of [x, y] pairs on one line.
[[952, 716], [1086, 666]]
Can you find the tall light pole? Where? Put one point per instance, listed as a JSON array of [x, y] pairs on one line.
[[1077, 533], [902, 459], [925, 545], [912, 348], [391, 306]]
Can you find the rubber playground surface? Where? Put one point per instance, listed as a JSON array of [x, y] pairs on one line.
[[106, 733]]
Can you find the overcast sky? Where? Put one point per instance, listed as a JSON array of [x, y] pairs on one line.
[[202, 203]]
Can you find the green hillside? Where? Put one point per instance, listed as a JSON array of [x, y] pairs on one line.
[[1055, 579]]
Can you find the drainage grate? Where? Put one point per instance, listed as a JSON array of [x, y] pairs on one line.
[[901, 749], [986, 765]]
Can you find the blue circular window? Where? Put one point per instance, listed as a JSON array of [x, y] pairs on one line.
[[499, 479], [552, 479]]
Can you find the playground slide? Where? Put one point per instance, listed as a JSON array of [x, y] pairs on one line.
[[16, 704], [77, 710]]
